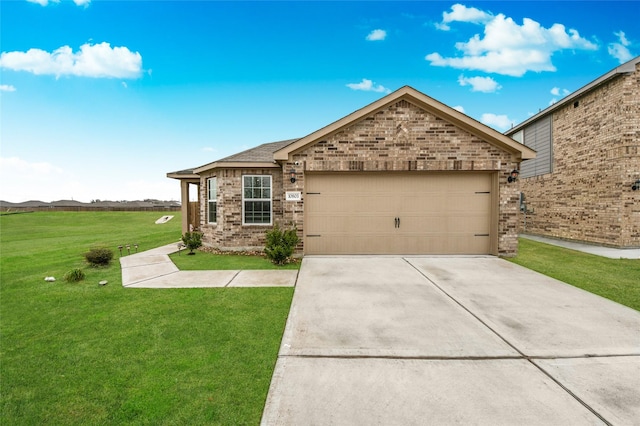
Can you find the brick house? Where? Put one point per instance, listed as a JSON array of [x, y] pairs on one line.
[[580, 186], [405, 174]]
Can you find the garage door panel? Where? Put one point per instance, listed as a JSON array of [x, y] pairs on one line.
[[438, 225], [438, 213], [342, 224]]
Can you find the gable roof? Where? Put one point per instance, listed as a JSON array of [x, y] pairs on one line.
[[260, 156], [423, 101], [626, 68]]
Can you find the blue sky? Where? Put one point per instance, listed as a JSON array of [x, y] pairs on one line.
[[100, 99]]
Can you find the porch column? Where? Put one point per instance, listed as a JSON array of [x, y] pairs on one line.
[[184, 197]]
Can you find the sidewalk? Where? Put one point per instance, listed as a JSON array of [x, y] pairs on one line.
[[612, 253], [154, 269]]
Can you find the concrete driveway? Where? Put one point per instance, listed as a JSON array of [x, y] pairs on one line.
[[444, 340]]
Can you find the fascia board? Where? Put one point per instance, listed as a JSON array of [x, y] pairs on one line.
[[237, 165]]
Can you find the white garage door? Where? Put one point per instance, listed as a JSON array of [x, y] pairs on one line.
[[398, 213]]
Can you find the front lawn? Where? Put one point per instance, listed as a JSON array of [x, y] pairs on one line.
[[615, 279], [203, 261], [88, 354]]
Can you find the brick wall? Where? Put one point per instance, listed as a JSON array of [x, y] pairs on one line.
[[229, 233], [404, 137], [588, 195]]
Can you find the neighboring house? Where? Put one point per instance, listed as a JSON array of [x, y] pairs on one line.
[[405, 174], [581, 184]]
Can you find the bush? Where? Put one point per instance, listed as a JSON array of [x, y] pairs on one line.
[[280, 244], [74, 275], [99, 256], [192, 240]]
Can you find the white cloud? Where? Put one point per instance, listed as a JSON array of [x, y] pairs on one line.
[[368, 86], [459, 108], [208, 149], [46, 2], [19, 167], [509, 48], [500, 122], [461, 13], [7, 88], [480, 84], [556, 91], [44, 181], [620, 50], [41, 175], [377, 35], [93, 60]]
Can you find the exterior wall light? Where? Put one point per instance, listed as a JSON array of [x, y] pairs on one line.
[[514, 176], [636, 185], [293, 176]]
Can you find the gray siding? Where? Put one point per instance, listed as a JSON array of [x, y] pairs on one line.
[[537, 136]]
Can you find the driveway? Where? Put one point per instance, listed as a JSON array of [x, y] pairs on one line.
[[442, 340]]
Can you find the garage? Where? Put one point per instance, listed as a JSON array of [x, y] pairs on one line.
[[400, 213], [405, 174]]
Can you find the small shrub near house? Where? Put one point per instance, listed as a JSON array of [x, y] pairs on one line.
[[280, 244], [99, 256], [75, 275], [192, 240]]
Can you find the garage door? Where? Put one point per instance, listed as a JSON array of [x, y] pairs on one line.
[[398, 213]]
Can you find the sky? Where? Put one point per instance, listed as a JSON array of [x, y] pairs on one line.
[[99, 100]]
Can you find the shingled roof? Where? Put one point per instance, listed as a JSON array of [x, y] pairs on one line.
[[261, 155]]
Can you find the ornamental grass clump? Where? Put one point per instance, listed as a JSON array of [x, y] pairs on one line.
[[75, 275], [99, 256], [280, 244]]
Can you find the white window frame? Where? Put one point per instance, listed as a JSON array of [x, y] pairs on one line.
[[213, 200], [270, 200]]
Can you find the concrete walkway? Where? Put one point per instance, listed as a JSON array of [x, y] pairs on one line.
[[154, 269], [610, 252], [451, 340]]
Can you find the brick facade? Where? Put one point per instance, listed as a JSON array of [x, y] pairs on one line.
[[401, 137], [596, 142], [228, 233]]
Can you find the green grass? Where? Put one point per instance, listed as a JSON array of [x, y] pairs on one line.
[[80, 353], [615, 279], [203, 261]]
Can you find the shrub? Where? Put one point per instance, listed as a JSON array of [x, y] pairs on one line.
[[280, 244], [192, 240], [74, 275], [99, 256]]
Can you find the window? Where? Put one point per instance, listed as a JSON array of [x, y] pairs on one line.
[[256, 200], [212, 200]]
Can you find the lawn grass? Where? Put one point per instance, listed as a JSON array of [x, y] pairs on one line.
[[615, 279], [85, 354], [204, 261]]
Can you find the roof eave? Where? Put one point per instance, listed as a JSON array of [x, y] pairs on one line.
[[237, 165], [183, 176]]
